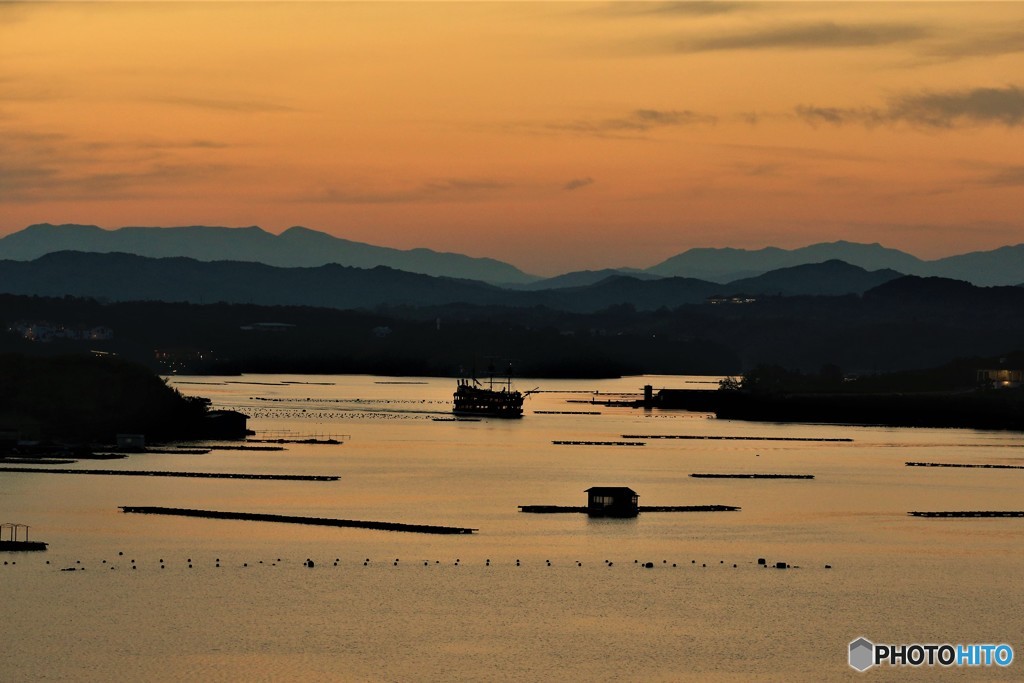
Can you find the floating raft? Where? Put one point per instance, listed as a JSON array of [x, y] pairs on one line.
[[701, 475], [18, 546], [319, 442], [151, 473], [969, 513], [290, 519], [552, 509], [949, 464], [599, 443], [728, 438], [567, 412], [175, 451]]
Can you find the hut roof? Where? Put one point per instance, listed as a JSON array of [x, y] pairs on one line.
[[611, 491]]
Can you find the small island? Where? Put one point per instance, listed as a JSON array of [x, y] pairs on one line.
[[76, 402]]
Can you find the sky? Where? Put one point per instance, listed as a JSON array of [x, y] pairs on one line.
[[556, 136]]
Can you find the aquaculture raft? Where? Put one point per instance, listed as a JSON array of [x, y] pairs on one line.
[[12, 543], [552, 509], [158, 473], [969, 513], [703, 475], [291, 519]]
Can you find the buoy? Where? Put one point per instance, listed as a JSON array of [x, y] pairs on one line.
[[828, 566], [649, 565], [761, 560]]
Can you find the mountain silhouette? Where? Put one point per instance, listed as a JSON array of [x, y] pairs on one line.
[[295, 247], [1003, 266], [128, 277]]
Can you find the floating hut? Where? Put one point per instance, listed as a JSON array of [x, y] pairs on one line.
[[612, 501]]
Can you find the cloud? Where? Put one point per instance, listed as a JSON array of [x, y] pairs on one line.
[[1002, 42], [944, 109], [43, 166], [1010, 176], [824, 35], [448, 189], [636, 122], [577, 183], [245, 106], [686, 9], [30, 183], [949, 109], [837, 115]]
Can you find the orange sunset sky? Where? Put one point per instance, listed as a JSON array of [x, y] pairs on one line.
[[553, 135]]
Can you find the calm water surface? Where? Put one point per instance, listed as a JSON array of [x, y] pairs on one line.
[[407, 607]]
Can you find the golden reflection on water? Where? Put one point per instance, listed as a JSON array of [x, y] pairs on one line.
[[459, 606]]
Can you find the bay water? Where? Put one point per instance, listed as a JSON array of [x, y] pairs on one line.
[[527, 597]]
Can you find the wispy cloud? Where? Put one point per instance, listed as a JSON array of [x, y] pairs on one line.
[[685, 9], [30, 183], [1010, 176], [1003, 41], [443, 190], [823, 35], [945, 109], [637, 122], [244, 106], [948, 109], [577, 183], [46, 166]]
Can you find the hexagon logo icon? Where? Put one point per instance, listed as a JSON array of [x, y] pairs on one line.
[[862, 654]]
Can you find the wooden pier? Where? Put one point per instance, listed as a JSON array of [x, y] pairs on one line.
[[969, 513], [702, 475], [557, 509], [153, 473], [292, 519]]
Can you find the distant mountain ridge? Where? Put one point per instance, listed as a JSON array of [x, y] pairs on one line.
[[296, 247], [1002, 266], [303, 247], [128, 277]]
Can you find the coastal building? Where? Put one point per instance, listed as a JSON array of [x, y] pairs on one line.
[[1001, 378], [612, 501]]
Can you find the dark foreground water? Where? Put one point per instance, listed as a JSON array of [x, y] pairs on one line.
[[529, 597]]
